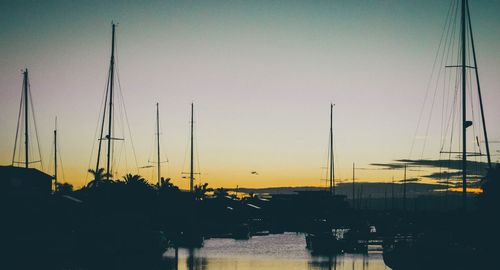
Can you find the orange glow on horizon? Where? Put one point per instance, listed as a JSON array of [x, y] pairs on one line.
[[469, 190]]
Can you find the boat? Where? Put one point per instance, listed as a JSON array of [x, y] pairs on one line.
[[450, 249], [321, 238], [135, 235]]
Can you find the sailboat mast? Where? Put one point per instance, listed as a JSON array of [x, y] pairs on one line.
[[111, 84], [26, 123], [478, 87], [464, 107], [191, 169], [158, 140], [332, 172], [55, 156]]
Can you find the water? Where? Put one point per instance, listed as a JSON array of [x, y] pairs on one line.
[[281, 251]]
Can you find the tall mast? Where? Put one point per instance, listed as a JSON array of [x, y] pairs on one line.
[[464, 107], [191, 169], [26, 123], [158, 140], [478, 87], [55, 157], [111, 84], [332, 172]]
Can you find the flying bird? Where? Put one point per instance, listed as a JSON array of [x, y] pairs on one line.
[[254, 173]]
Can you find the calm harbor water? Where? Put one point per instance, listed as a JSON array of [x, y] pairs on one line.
[[281, 251]]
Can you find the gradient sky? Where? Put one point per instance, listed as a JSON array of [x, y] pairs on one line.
[[261, 74]]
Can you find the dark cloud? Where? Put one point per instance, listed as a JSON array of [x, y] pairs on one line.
[[388, 166], [410, 180], [475, 169]]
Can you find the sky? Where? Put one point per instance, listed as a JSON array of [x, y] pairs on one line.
[[262, 75]]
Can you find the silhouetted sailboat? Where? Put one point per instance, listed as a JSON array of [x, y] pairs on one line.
[[55, 157], [158, 149], [191, 236], [109, 95], [437, 251], [23, 125], [322, 238]]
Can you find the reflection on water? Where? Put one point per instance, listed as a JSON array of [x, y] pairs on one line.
[[283, 251]]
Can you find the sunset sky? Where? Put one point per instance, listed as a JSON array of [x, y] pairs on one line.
[[261, 74]]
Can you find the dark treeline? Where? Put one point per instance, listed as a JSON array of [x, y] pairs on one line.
[[130, 216]]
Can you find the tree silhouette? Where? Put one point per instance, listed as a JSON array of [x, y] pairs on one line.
[[99, 177], [135, 181], [201, 190], [220, 192], [64, 188], [166, 183]]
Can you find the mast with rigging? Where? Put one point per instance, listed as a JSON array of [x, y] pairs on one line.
[[55, 156], [464, 108], [191, 167], [158, 141], [24, 116], [108, 107], [331, 160]]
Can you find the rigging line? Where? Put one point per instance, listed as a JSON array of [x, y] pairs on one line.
[[454, 105], [473, 116], [17, 128], [324, 169], [49, 168], [162, 144], [337, 174], [433, 97], [447, 83], [151, 152], [479, 89], [449, 104], [20, 138], [186, 151], [102, 110], [448, 38], [122, 147], [123, 112], [428, 85], [61, 161], [36, 128], [126, 115], [451, 52], [452, 120], [196, 148]]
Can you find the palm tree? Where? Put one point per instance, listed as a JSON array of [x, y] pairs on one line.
[[166, 183], [200, 191], [220, 192], [99, 177], [135, 180]]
